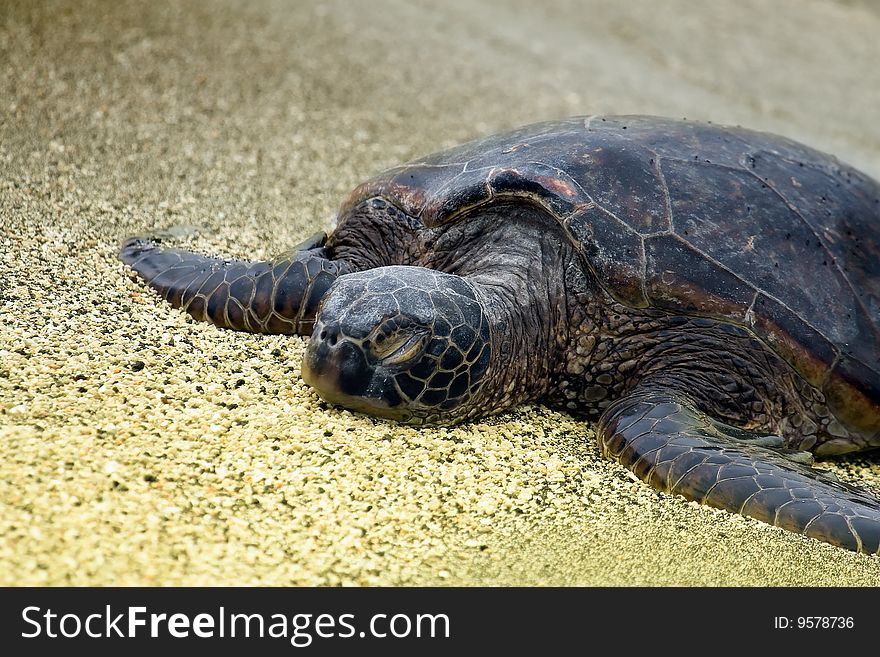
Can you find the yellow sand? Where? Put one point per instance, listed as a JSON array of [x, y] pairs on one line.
[[138, 447]]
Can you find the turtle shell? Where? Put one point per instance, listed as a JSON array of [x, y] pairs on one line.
[[693, 218]]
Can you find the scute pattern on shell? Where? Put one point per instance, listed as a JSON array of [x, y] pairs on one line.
[[692, 218]]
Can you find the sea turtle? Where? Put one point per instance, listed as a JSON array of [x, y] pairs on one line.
[[709, 295]]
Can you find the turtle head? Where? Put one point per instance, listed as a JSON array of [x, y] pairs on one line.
[[407, 343]]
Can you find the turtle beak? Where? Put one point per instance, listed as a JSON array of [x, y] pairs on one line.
[[334, 366], [337, 368]]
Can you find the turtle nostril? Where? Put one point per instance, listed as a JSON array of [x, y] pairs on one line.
[[329, 336]]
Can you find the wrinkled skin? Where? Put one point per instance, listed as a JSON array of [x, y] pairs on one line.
[[644, 273]]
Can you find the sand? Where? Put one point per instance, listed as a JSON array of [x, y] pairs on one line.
[[139, 447]]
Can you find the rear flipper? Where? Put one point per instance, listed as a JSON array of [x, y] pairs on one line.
[[677, 449], [277, 296]]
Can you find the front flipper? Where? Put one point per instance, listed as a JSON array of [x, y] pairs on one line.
[[276, 296], [680, 450]]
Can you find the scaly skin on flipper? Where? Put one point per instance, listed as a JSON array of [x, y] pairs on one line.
[[676, 449], [277, 296]]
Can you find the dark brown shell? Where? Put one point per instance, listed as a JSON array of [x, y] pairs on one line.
[[694, 218]]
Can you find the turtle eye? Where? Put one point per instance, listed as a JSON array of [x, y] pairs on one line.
[[399, 347]]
